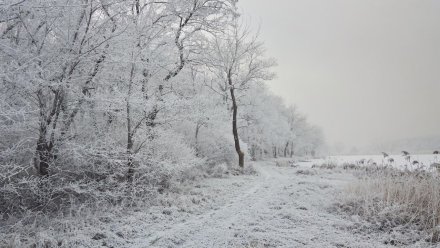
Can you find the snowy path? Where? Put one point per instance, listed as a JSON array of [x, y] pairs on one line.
[[278, 208]]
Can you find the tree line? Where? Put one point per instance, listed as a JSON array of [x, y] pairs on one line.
[[99, 94]]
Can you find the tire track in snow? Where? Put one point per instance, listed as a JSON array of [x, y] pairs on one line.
[[280, 209], [199, 222], [216, 227]]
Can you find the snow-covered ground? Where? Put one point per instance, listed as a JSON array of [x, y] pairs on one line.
[[399, 161], [281, 207]]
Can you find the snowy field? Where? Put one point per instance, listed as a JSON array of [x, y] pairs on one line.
[[398, 160]]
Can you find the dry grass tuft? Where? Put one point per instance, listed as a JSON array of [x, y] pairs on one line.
[[306, 172], [392, 199], [325, 166]]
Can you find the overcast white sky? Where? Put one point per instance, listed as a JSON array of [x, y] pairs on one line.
[[364, 70]]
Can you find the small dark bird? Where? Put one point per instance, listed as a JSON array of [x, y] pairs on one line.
[[405, 153], [436, 152], [385, 154], [415, 162]]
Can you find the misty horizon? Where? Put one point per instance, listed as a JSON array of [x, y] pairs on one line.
[[366, 72]]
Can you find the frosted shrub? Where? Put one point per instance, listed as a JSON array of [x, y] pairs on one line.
[[325, 166], [219, 170], [167, 157], [249, 169], [217, 148]]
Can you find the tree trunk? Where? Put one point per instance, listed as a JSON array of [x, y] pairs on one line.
[[47, 125], [286, 149], [234, 124], [253, 152], [197, 137], [45, 158], [130, 173], [291, 150], [130, 138]]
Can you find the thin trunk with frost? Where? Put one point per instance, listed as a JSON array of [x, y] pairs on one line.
[[234, 122]]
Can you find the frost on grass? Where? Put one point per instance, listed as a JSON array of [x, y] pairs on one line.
[[403, 204]]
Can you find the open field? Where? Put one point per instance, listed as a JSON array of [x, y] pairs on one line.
[[399, 161]]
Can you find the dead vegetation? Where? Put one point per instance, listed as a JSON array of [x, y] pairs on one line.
[[286, 163], [325, 166], [403, 203], [306, 172]]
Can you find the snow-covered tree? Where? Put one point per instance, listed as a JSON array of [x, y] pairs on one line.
[[237, 57], [115, 100]]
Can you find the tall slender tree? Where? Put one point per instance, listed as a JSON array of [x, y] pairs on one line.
[[239, 61]]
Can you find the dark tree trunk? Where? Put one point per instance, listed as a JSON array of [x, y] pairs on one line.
[[45, 158], [130, 132], [47, 126], [234, 123], [286, 149], [197, 139], [130, 173]]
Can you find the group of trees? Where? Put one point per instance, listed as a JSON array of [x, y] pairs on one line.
[[271, 129], [103, 93]]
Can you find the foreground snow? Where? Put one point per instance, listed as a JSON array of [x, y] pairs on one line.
[[281, 207]]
